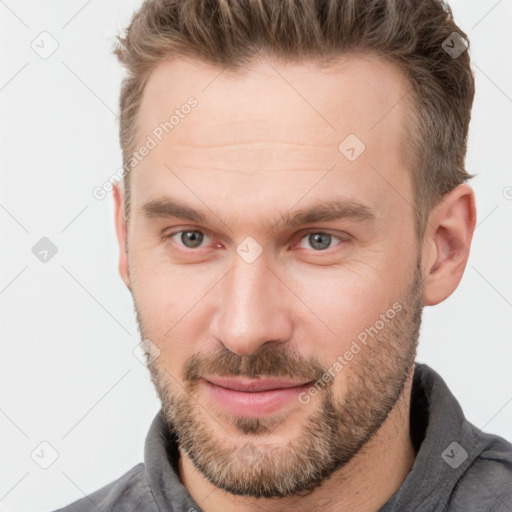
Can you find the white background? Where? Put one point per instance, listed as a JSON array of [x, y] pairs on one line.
[[68, 374]]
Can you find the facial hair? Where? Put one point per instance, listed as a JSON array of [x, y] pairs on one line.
[[331, 436]]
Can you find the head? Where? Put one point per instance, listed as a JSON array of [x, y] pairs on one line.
[[300, 198]]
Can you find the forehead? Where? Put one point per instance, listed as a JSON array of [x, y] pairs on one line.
[[355, 93], [265, 126]]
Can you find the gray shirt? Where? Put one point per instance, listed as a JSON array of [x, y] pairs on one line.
[[458, 468]]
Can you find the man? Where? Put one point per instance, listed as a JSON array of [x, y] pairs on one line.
[[294, 194]]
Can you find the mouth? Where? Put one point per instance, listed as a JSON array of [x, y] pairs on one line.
[[253, 397], [254, 385]]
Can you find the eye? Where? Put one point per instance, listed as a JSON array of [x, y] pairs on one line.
[[318, 240], [190, 238]]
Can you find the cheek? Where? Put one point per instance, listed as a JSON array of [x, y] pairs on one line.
[[168, 300], [341, 303]]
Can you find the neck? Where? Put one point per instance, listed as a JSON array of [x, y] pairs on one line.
[[364, 484]]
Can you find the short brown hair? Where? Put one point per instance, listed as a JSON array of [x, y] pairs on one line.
[[229, 33]]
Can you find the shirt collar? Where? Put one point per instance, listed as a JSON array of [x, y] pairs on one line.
[[448, 445]]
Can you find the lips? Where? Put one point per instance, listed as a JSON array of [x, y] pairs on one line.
[[253, 398], [254, 385]]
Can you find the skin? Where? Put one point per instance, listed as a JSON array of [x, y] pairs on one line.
[[261, 144]]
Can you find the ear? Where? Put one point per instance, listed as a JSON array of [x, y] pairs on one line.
[[122, 234], [447, 242]]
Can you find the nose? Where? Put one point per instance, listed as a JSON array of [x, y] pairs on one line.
[[254, 308]]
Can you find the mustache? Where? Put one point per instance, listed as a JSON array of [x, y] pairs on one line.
[[263, 363]]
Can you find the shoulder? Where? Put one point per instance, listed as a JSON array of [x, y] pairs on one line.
[[487, 482], [129, 492]]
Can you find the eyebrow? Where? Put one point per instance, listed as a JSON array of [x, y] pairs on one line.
[[336, 209]]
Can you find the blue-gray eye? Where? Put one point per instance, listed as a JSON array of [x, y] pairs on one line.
[[319, 241], [190, 239]]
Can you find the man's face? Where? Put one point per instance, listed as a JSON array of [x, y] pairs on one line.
[[242, 291]]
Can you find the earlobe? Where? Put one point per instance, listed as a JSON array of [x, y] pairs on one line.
[[122, 234], [446, 249]]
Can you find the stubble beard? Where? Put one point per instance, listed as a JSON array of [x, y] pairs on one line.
[[246, 463]]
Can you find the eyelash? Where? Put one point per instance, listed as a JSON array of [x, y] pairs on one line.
[[302, 236]]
